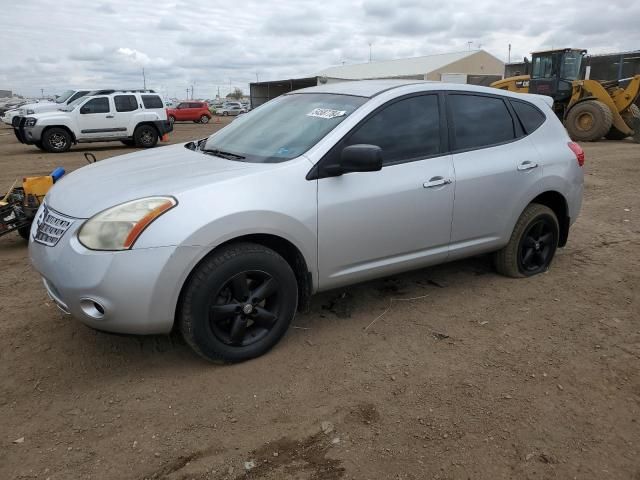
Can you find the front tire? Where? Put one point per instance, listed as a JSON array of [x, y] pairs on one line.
[[532, 245], [238, 303], [56, 140], [145, 136]]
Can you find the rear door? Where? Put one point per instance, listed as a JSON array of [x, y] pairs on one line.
[[125, 108], [372, 224], [496, 166]]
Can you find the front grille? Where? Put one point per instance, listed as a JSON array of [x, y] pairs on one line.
[[51, 226]]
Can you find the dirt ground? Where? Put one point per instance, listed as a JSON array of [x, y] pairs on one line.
[[468, 375]]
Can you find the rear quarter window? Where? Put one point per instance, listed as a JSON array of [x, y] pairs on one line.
[[125, 103], [530, 117], [152, 101]]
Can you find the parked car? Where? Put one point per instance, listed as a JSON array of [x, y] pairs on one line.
[[60, 102], [224, 238], [197, 112], [131, 117], [230, 110]]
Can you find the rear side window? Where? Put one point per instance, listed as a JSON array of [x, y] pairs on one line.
[[125, 103], [195, 105], [152, 101], [530, 117], [96, 105], [405, 130], [480, 121]]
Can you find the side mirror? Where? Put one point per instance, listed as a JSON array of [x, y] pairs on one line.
[[357, 158]]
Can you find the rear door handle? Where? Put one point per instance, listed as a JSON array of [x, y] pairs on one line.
[[109, 116], [436, 182], [527, 165]]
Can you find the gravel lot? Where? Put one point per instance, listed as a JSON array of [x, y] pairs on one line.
[[468, 375]]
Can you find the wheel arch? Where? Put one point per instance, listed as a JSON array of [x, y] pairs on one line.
[[283, 247], [63, 127], [558, 203]]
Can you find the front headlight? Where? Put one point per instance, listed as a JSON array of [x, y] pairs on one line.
[[30, 121], [117, 228], [30, 112]]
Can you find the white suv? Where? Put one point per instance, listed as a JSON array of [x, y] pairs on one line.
[[60, 102], [133, 117]]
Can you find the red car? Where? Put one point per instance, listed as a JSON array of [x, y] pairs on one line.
[[190, 111]]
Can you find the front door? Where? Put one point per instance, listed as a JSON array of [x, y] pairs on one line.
[[96, 118], [372, 224]]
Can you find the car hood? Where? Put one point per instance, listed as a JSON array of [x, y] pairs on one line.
[[40, 106], [158, 171]]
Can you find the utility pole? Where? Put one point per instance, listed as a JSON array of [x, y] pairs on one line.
[[509, 53], [218, 92], [42, 92], [191, 92], [144, 79], [187, 93]]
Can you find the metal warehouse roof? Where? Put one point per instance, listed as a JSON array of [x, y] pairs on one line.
[[396, 68]]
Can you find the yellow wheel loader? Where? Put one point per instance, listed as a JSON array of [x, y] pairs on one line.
[[19, 205], [589, 109]]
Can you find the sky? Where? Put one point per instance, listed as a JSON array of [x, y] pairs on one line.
[[222, 44]]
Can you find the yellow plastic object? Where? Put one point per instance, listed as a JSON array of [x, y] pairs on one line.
[[37, 186]]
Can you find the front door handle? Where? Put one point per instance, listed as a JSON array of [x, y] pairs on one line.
[[436, 182], [527, 165], [109, 116]]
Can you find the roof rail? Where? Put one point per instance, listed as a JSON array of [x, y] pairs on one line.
[[120, 90]]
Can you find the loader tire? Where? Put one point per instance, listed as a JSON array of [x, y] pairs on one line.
[[632, 118], [589, 121]]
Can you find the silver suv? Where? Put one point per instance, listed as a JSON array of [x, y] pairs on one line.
[[225, 238]]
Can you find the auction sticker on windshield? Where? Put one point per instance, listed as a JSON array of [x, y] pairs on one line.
[[326, 113]]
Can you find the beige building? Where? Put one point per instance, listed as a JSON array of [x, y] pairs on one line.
[[477, 67]]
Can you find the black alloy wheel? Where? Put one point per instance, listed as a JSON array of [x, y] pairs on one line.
[[245, 309], [537, 246]]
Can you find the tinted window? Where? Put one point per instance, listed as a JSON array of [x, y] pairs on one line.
[[125, 103], [152, 101], [195, 105], [406, 129], [480, 121], [183, 105], [96, 105], [530, 117]]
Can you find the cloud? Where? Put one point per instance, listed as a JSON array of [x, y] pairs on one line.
[[226, 43]]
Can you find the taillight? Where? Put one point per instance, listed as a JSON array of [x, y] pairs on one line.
[[578, 152]]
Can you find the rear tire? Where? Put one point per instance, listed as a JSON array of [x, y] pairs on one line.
[[24, 232], [204, 119], [224, 114], [56, 140], [532, 245], [145, 136], [589, 121], [238, 303]]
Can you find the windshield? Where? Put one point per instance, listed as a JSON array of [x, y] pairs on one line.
[[74, 104], [571, 66], [283, 128], [64, 97]]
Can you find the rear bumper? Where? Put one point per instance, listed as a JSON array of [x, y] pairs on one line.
[[163, 126]]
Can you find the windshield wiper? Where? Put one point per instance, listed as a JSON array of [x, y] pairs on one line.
[[223, 154]]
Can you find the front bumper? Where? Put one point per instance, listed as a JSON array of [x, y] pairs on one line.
[[132, 291], [24, 134]]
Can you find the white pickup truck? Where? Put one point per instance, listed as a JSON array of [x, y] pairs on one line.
[[135, 118], [10, 116]]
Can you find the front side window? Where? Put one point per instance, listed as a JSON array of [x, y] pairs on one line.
[[283, 128], [125, 103], [96, 105], [405, 130], [480, 121], [542, 67], [183, 105]]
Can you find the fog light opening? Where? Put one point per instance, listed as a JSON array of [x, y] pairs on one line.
[[92, 308]]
